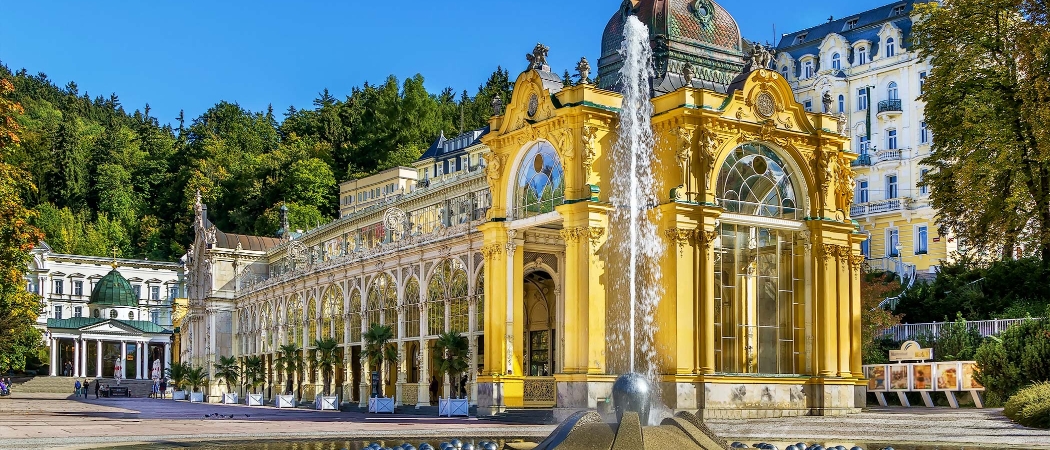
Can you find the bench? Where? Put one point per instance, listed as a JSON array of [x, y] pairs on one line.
[[119, 391]]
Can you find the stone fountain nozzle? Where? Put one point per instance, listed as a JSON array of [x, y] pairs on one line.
[[632, 392]]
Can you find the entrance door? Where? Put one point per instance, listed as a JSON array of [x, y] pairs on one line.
[[355, 369], [539, 316]]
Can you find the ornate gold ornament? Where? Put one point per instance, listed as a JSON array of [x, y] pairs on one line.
[[679, 237], [595, 235], [765, 106], [855, 261], [572, 234], [494, 168], [588, 135], [491, 251], [706, 237]]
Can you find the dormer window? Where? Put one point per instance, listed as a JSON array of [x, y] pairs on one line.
[[851, 24], [836, 62], [801, 38], [784, 71], [898, 10], [807, 69], [890, 47], [862, 55]]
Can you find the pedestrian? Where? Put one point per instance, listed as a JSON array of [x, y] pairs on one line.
[[163, 388], [76, 388], [98, 385], [433, 390], [155, 389], [463, 387]]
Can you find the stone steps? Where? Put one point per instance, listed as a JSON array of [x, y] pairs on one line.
[[64, 385]]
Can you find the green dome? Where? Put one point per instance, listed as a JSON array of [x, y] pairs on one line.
[[113, 290]]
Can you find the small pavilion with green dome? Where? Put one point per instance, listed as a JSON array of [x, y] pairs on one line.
[[112, 331]]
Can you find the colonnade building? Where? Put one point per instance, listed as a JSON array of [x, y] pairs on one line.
[[758, 307]]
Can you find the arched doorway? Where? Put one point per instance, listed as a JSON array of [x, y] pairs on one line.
[[539, 294]]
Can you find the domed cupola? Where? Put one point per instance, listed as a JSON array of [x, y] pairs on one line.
[[113, 290], [694, 36]]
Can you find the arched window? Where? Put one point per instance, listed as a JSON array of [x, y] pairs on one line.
[[479, 310], [755, 181], [807, 69], [112, 314], [354, 316], [332, 314], [784, 71], [311, 322], [842, 103], [382, 302], [862, 55], [836, 61], [540, 183], [447, 284], [295, 321], [890, 47], [891, 91], [411, 301]]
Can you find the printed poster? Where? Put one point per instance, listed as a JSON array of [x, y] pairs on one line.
[[899, 377], [922, 377], [948, 376], [969, 383], [876, 378]]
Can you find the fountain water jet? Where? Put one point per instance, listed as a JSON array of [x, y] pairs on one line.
[[634, 192]]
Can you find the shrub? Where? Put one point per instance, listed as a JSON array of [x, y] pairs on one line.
[[1018, 357], [1030, 406]]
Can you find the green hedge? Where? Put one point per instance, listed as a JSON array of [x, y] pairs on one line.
[[1018, 357], [1030, 406]]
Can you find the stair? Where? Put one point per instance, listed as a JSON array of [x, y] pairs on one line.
[[64, 385]]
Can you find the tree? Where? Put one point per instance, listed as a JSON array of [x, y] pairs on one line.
[[987, 102], [450, 356], [18, 307], [289, 361], [874, 288], [177, 374], [228, 371], [196, 377], [324, 358], [378, 350], [254, 372]]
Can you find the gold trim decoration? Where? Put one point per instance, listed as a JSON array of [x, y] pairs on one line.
[[595, 235], [572, 234], [706, 237], [679, 236], [491, 251]]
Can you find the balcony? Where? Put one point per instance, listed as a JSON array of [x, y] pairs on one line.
[[877, 207], [890, 108], [890, 154], [862, 161]]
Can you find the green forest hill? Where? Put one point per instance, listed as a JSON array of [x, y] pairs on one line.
[[108, 178]]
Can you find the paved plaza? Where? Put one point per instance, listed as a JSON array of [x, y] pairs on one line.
[[54, 421]]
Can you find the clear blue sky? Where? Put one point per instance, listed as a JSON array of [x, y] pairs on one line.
[[191, 54]]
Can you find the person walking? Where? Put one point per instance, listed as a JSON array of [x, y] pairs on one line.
[[163, 388], [433, 390], [98, 385], [76, 388], [84, 387]]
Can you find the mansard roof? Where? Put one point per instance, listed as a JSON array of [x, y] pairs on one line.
[[443, 146], [867, 28], [80, 323]]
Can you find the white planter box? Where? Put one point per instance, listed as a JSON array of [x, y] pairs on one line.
[[453, 407], [381, 405], [229, 399], [284, 401], [327, 403], [254, 400], [178, 395], [197, 397]]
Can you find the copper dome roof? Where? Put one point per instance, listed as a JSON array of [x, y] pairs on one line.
[[696, 32]]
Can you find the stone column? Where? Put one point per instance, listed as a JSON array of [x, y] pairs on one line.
[[844, 304], [827, 311], [98, 358], [76, 357], [54, 356], [83, 357], [424, 373], [167, 356]]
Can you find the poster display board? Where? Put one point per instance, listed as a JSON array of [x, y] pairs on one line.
[[899, 377], [921, 377], [969, 383], [925, 378], [948, 376], [876, 378]]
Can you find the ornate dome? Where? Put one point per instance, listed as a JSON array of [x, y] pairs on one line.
[[113, 290], [699, 33]]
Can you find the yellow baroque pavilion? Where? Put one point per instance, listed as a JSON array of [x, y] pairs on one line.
[[761, 299]]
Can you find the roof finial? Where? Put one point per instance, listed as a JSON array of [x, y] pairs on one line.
[[114, 263]]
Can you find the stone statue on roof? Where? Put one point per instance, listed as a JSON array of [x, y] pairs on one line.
[[584, 69], [538, 57], [826, 99], [497, 105], [761, 56]]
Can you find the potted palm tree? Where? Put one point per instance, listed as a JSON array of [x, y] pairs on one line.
[[254, 376], [177, 376], [196, 377], [228, 371], [324, 358], [450, 358], [289, 361], [378, 350]]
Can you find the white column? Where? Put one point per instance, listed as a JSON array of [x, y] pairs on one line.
[[98, 358], [123, 358], [167, 357], [83, 358], [76, 357], [138, 360], [54, 357]]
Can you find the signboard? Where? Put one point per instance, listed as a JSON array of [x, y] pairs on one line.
[[375, 385], [911, 351]]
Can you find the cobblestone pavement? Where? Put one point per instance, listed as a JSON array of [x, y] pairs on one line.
[[30, 421]]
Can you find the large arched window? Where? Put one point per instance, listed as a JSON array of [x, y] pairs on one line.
[[411, 301], [311, 320], [382, 301], [755, 181], [540, 183], [479, 294], [891, 48], [295, 321], [836, 61], [354, 316], [332, 314], [448, 284]]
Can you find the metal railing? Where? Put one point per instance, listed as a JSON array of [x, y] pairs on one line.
[[540, 392], [881, 206], [893, 154], [890, 106], [863, 160], [908, 331]]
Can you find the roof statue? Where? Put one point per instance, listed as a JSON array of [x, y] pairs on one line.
[[761, 56], [687, 74], [497, 105], [538, 57], [826, 99], [583, 68]]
